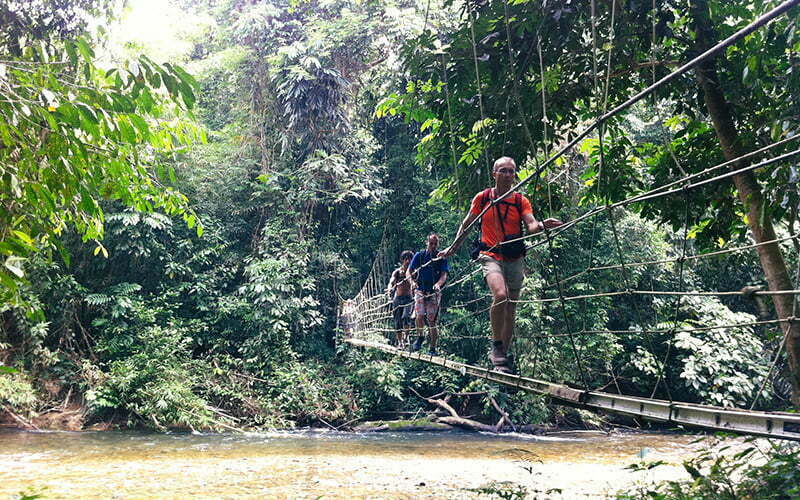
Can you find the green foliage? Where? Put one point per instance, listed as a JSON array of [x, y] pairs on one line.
[[43, 21], [525, 407], [307, 393], [729, 474], [249, 301], [17, 391], [502, 489], [74, 135], [118, 296], [32, 494], [311, 97], [722, 367], [149, 373], [377, 383], [220, 78], [432, 378], [282, 291]]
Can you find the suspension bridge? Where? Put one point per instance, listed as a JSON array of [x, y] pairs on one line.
[[370, 310]]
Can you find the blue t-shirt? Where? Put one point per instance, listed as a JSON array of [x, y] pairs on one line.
[[430, 274]]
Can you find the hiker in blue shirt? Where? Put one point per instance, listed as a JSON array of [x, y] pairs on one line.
[[428, 273]]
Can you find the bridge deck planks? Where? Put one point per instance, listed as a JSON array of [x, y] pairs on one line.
[[756, 423]]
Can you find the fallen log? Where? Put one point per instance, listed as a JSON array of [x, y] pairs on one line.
[[466, 423], [25, 423], [457, 420]]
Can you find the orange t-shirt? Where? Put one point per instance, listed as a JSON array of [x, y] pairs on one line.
[[491, 233]]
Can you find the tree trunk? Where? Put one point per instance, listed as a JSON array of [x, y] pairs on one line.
[[750, 195]]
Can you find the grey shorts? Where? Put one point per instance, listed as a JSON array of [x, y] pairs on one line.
[[513, 271], [402, 307]]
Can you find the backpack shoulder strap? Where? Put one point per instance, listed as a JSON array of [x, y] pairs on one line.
[[518, 204], [486, 197]]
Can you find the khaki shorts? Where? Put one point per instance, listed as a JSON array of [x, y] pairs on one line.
[[513, 271]]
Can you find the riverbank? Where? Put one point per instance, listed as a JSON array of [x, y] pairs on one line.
[[330, 465], [73, 418]]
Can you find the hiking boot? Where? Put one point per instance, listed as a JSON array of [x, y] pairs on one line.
[[432, 351], [496, 355], [511, 364], [499, 359], [416, 346]]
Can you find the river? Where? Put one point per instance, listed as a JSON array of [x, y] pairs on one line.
[[329, 465]]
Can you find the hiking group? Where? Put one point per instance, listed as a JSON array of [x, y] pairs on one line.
[[424, 273], [499, 249]]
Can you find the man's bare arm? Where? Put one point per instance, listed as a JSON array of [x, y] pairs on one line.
[[410, 275], [440, 283], [534, 226]]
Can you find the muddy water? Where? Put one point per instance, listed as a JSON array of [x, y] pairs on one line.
[[326, 464]]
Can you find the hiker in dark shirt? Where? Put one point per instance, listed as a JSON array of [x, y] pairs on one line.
[[428, 273]]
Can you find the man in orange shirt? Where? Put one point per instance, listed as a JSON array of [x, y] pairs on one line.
[[503, 263]]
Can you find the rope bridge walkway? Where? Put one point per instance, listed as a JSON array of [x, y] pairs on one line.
[[371, 316], [757, 423]]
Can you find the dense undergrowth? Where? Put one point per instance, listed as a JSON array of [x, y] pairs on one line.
[[759, 470], [725, 469]]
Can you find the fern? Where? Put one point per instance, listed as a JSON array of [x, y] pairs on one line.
[[97, 299], [112, 293], [125, 288]]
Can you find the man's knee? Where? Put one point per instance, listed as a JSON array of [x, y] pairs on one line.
[[499, 297], [513, 296]]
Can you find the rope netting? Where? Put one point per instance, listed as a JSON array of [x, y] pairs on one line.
[[369, 316]]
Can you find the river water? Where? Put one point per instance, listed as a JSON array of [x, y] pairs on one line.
[[329, 465]]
